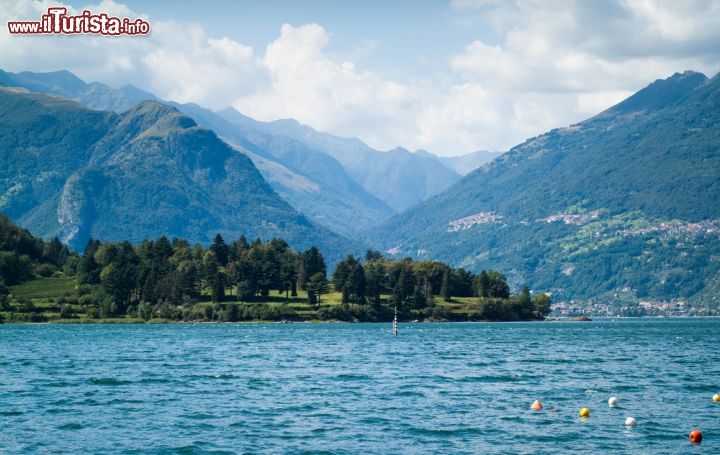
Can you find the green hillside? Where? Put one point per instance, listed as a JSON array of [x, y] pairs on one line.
[[80, 174], [622, 206]]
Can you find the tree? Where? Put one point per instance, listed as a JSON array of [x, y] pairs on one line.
[[341, 277], [497, 285], [542, 303], [482, 285], [445, 287], [312, 298], [288, 270], [373, 255], [15, 268], [161, 252], [221, 250], [317, 285], [349, 279], [374, 274], [55, 252], [404, 286], [4, 299], [422, 292], [461, 283], [218, 286], [209, 268], [119, 273], [244, 291], [232, 312], [88, 268], [525, 302], [144, 311], [26, 305], [311, 262], [238, 248], [357, 282]]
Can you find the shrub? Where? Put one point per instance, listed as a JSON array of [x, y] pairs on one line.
[[66, 312], [45, 270]]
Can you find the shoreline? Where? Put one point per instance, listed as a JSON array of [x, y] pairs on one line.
[[319, 322]]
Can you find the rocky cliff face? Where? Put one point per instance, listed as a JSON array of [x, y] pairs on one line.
[[151, 171]]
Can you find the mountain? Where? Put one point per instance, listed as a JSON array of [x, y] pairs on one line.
[[464, 164], [311, 181], [94, 95], [622, 206], [78, 173], [398, 177], [340, 183]]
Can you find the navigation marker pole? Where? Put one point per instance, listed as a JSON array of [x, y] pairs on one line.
[[395, 323]]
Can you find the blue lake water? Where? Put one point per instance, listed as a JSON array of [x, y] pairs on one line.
[[354, 388]]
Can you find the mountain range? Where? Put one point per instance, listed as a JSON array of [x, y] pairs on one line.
[[622, 206], [398, 177], [317, 173], [77, 173]]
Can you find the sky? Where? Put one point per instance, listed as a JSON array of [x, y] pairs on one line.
[[450, 77]]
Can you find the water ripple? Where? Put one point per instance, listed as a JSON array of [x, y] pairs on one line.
[[353, 388]]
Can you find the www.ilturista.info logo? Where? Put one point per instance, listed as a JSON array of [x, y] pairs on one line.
[[57, 21]]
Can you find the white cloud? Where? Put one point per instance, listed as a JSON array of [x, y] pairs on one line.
[[307, 85], [177, 61], [551, 63], [559, 62]]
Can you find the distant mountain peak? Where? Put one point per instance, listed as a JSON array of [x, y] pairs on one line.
[[158, 116], [399, 149], [61, 78], [94, 95]]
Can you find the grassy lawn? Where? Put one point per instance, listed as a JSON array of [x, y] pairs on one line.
[[44, 288], [46, 295]]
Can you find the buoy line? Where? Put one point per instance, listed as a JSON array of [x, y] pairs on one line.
[[696, 436]]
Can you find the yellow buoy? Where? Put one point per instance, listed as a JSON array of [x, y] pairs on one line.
[[716, 398], [584, 412]]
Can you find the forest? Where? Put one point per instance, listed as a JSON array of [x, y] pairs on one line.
[[171, 280]]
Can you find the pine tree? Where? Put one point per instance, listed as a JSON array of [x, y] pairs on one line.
[[311, 262], [221, 250], [482, 285], [373, 282], [317, 285], [445, 287], [342, 277], [357, 283]]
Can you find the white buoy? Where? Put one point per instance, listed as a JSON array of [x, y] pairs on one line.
[[612, 401], [395, 323], [630, 422]]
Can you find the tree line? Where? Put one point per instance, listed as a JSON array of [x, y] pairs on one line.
[[167, 278]]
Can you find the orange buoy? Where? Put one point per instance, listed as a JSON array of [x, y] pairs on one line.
[[536, 406], [695, 437]]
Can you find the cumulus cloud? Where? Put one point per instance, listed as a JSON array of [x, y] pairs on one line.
[[335, 96], [550, 63], [561, 61], [177, 61]]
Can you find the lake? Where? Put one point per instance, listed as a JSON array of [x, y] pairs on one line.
[[354, 388]]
